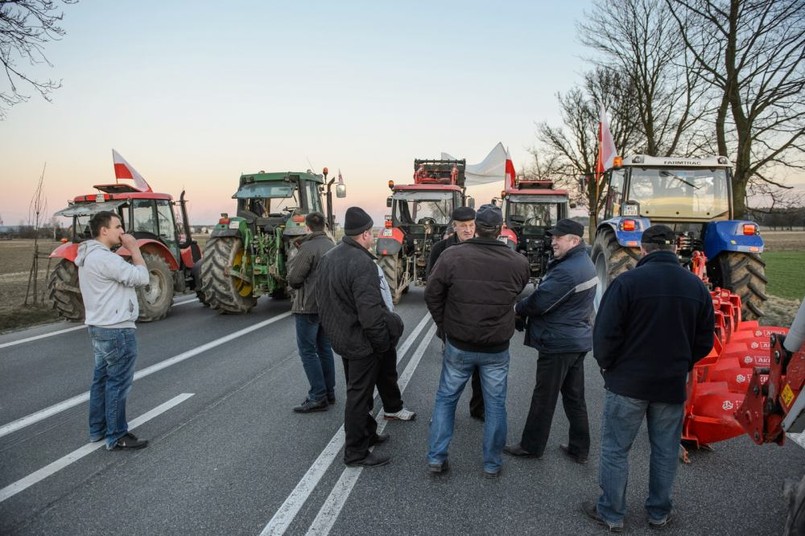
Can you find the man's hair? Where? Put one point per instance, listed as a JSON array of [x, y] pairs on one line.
[[99, 221], [657, 247], [487, 232], [315, 221]]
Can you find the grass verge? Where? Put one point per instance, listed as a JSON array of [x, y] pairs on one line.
[[784, 272]]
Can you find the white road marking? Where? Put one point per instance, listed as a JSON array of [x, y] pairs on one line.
[[76, 400], [61, 463], [74, 328], [334, 503], [286, 513]]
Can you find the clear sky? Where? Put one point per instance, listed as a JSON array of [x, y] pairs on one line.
[[193, 94]]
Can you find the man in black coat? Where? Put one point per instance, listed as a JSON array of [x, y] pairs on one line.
[[653, 324], [463, 229], [361, 329]]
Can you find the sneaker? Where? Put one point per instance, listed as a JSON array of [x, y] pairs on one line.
[[130, 441], [659, 525], [95, 439], [438, 468], [331, 399], [402, 415], [491, 474], [520, 452], [309, 406], [371, 460], [572, 455], [591, 510]]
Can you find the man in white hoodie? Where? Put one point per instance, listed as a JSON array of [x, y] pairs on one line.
[[108, 284]]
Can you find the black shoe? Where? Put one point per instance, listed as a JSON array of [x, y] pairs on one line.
[[591, 510], [520, 452], [659, 525], [491, 474], [371, 460], [575, 457], [309, 406], [130, 441], [378, 439], [478, 415], [331, 399], [438, 468]]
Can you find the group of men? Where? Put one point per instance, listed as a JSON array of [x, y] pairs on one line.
[[653, 323]]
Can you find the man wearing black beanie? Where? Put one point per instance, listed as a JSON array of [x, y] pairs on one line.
[[361, 329]]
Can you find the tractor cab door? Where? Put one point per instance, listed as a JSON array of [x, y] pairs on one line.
[[614, 194], [153, 218]]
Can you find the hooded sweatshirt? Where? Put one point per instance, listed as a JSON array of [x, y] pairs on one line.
[[107, 284]]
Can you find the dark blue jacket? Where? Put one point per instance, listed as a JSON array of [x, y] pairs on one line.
[[560, 310], [653, 324]]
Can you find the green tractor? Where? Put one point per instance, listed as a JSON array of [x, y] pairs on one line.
[[246, 255]]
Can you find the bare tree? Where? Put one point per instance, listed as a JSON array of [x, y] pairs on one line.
[[639, 40], [25, 27], [753, 53]]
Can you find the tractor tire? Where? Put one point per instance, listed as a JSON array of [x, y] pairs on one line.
[[391, 266], [155, 299], [224, 293], [610, 260], [745, 275], [64, 292]]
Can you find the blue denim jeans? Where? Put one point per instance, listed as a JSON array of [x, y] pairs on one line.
[[457, 367], [317, 356], [115, 353], [621, 422]]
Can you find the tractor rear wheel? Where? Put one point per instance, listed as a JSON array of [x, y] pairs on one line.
[[224, 292], [610, 260], [64, 291], [155, 299], [392, 270], [745, 275]]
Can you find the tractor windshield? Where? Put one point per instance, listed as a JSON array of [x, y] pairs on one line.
[[415, 207], [524, 210], [265, 198], [680, 193]]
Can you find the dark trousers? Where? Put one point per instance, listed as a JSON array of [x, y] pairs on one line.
[[387, 385], [477, 400], [359, 424], [558, 373]]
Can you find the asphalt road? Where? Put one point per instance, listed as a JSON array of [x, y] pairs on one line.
[[214, 395]]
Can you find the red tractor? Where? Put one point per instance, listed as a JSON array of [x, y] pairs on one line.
[[170, 254], [420, 215]]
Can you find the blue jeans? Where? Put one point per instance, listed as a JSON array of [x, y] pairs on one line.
[[317, 356], [457, 367], [115, 355], [621, 422]]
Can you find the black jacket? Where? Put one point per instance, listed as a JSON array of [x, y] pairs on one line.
[[302, 271], [437, 249], [654, 323], [560, 310], [351, 308], [471, 293]]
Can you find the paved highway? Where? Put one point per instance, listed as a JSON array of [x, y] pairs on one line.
[[214, 394]]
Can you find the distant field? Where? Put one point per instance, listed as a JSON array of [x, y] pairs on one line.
[[784, 270]]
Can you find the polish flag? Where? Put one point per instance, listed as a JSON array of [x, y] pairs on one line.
[[606, 145], [511, 174], [123, 170]]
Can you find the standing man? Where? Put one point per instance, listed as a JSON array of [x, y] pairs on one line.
[[107, 285], [314, 346], [463, 229], [653, 324], [471, 294], [360, 328], [558, 318]]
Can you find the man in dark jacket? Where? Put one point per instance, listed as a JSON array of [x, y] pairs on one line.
[[463, 229], [311, 340], [470, 295], [361, 329], [559, 314], [653, 324]]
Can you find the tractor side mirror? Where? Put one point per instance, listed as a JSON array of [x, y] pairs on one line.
[[388, 202], [340, 190]]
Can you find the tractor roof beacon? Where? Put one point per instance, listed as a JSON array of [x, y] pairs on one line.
[[693, 196]]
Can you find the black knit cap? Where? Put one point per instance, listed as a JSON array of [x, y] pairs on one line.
[[566, 226], [658, 234], [463, 214], [356, 221], [489, 216]]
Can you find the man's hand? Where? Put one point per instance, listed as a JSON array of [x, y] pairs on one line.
[[130, 243], [519, 323]]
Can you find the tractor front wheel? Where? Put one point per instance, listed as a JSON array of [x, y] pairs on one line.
[[155, 299], [64, 291], [223, 278], [392, 267], [610, 260], [745, 275]]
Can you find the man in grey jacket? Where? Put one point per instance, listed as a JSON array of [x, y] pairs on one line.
[[313, 344], [107, 285]]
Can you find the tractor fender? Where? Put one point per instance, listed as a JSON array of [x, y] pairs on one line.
[[156, 247], [223, 231], [68, 250], [191, 255], [389, 241], [627, 239], [728, 235], [508, 237]]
